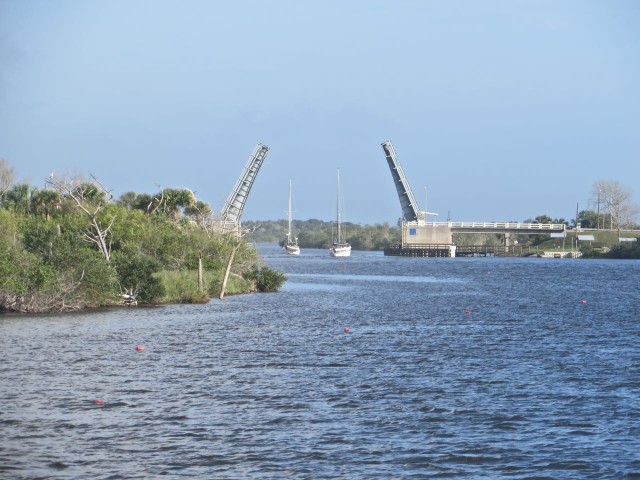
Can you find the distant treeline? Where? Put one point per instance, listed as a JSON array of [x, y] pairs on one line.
[[319, 234]]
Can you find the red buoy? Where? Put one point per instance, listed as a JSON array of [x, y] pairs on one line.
[[584, 301], [140, 348], [99, 402], [467, 311], [347, 330]]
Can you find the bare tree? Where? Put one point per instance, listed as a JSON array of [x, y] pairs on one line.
[[7, 177], [614, 198], [91, 198], [235, 241]]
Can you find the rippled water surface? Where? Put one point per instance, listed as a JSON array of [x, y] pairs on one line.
[[451, 368]]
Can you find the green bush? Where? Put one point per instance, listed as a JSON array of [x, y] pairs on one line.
[[624, 251], [136, 275], [266, 279]]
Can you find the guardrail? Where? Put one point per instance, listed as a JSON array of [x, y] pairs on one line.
[[560, 227]]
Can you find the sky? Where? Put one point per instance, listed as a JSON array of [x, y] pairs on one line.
[[497, 110]]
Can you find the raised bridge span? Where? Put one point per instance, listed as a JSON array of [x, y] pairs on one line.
[[435, 239]]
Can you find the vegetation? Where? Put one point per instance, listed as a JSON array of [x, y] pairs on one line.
[[266, 280], [615, 201], [623, 251], [319, 234], [70, 246]]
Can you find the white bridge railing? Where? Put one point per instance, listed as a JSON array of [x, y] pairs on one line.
[[560, 227]]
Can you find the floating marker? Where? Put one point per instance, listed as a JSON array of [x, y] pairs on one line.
[[347, 330], [583, 301], [467, 311], [99, 402], [140, 348]]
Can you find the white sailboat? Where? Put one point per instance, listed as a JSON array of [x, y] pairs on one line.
[[291, 246], [339, 248]]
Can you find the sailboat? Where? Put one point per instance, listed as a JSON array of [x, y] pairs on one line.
[[339, 248], [291, 246]]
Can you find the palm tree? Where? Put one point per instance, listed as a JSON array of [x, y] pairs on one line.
[[175, 200], [45, 202], [17, 198]]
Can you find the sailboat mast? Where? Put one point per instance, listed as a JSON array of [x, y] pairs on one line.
[[338, 209], [289, 234]]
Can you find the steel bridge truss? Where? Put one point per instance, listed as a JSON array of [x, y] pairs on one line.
[[234, 206], [410, 208]]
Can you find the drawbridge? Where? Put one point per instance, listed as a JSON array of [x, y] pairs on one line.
[[234, 206], [429, 239]]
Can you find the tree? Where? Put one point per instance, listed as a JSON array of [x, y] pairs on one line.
[[175, 200], [615, 200], [200, 212], [45, 202], [588, 219], [92, 199], [136, 275], [128, 200], [140, 201], [6, 177], [47, 267], [17, 198], [235, 242]]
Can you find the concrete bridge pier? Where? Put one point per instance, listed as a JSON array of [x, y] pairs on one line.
[[508, 241]]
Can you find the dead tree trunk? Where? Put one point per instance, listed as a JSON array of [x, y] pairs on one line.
[[200, 279], [227, 271]]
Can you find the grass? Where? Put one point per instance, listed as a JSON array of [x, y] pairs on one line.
[[182, 286]]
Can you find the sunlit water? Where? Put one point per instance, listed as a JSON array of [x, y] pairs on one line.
[[452, 368]]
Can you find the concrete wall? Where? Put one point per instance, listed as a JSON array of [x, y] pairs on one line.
[[413, 234]]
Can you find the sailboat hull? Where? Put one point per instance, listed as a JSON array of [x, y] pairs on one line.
[[340, 250], [292, 249]]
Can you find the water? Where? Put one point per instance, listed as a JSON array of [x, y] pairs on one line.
[[530, 383]]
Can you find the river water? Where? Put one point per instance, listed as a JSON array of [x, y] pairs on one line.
[[368, 367]]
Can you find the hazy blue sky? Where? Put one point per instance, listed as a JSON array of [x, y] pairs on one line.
[[498, 110]]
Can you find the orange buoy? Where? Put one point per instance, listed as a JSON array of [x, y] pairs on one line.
[[140, 348]]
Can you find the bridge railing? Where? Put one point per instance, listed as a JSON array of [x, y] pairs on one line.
[[496, 225]]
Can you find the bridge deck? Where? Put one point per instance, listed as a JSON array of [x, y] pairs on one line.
[[496, 227]]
